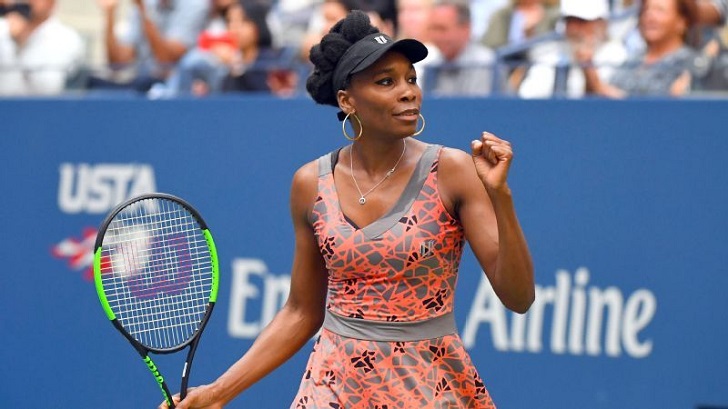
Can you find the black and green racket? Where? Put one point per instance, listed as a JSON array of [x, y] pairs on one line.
[[156, 274]]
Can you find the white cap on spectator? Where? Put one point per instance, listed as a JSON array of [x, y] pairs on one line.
[[585, 9]]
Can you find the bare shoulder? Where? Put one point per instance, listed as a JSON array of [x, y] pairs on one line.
[[454, 161], [456, 176], [304, 188], [306, 174]]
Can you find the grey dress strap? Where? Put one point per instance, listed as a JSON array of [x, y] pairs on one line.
[[325, 162]]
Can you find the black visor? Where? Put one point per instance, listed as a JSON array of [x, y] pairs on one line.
[[369, 49]]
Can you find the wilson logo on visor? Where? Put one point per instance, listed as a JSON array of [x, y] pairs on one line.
[[381, 39]]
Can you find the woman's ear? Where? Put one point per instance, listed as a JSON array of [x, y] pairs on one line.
[[345, 101]]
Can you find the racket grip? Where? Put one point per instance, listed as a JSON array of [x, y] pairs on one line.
[[185, 379]]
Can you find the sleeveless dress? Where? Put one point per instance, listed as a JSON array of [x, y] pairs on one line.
[[389, 338]]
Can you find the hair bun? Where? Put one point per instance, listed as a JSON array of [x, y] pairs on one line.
[[325, 55]]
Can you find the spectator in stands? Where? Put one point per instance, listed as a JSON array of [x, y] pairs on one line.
[[199, 61], [328, 13], [241, 60], [413, 21], [464, 67], [216, 25], [512, 26], [481, 12], [554, 72], [382, 13], [664, 68], [159, 33], [519, 21], [260, 67], [289, 21], [712, 73], [39, 55]]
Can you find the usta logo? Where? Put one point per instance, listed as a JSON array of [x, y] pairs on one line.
[[98, 188]]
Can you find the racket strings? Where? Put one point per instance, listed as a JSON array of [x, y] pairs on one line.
[[157, 272]]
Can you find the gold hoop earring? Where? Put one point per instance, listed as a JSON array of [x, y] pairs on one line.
[[343, 127], [423, 126]]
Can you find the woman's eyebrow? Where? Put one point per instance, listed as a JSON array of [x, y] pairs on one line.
[[389, 69]]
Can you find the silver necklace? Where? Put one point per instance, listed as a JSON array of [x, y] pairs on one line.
[[363, 196]]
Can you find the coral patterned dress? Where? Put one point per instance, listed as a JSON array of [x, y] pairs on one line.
[[389, 338]]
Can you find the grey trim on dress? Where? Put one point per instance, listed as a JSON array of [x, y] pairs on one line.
[[405, 201], [410, 194], [385, 331]]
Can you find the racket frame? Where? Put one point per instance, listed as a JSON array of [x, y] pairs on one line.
[[143, 350]]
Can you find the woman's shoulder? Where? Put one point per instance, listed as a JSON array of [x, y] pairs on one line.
[[451, 153], [453, 159], [311, 170], [307, 171], [304, 188]]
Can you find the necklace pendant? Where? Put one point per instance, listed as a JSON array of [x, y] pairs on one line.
[[362, 200]]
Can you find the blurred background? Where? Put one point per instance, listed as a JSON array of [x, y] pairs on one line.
[[530, 49], [616, 110]]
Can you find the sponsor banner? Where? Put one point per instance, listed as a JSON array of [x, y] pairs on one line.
[[623, 204]]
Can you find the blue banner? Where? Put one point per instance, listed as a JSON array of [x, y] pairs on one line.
[[623, 204]]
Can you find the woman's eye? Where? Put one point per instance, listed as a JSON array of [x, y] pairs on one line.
[[385, 81], [413, 80]]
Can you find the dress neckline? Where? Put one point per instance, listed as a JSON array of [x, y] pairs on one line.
[[400, 207]]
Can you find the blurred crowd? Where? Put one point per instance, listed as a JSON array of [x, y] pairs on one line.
[[478, 48]]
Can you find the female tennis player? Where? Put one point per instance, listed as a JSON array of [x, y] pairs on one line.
[[380, 226]]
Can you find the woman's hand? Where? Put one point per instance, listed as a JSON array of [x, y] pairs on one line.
[[201, 397], [681, 85], [492, 157]]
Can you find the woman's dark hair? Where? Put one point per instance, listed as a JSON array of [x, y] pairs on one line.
[[688, 10], [326, 54], [257, 13]]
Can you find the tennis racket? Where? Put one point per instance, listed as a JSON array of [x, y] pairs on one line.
[[156, 274]]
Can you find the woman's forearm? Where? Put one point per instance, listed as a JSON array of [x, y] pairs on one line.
[[280, 340], [116, 52], [514, 280]]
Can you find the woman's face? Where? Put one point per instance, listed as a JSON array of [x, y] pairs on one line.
[[413, 18], [660, 21], [244, 30], [386, 96], [332, 12]]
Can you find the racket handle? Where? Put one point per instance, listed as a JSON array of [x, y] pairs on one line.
[[185, 379], [158, 377]]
